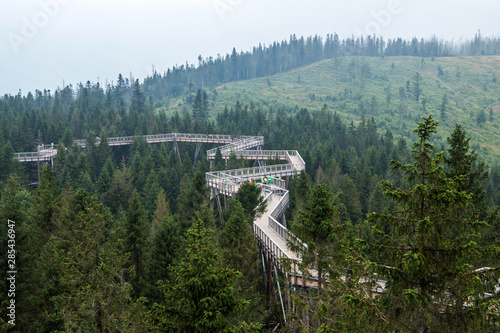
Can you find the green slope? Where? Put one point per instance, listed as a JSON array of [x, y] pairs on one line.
[[355, 86]]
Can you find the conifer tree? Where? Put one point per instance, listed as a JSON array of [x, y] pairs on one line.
[[167, 246], [120, 190], [162, 211], [201, 297], [323, 257], [138, 98], [13, 217], [462, 161], [135, 241], [45, 205], [92, 295], [249, 196], [430, 251], [194, 192], [105, 178], [239, 252]]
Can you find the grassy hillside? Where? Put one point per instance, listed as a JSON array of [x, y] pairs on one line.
[[377, 87]]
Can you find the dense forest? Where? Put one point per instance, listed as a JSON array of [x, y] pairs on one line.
[[298, 52], [126, 238]]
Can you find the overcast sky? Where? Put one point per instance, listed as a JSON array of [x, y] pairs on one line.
[[44, 43]]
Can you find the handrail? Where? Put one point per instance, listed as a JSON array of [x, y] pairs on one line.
[[240, 145], [42, 155], [228, 181]]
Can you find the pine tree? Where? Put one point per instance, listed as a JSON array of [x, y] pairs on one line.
[[105, 178], [444, 105], [318, 225], [218, 163], [200, 105], [249, 196], [239, 252], [416, 89], [167, 247], [201, 297], [136, 233], [92, 295], [462, 162], [429, 249], [350, 198], [138, 98], [6, 160], [120, 190], [162, 211], [45, 205], [194, 192], [13, 217]]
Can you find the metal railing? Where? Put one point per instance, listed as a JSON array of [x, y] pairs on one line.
[[273, 248], [239, 145], [168, 137], [43, 155]]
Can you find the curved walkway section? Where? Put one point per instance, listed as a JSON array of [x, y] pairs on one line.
[[270, 233]]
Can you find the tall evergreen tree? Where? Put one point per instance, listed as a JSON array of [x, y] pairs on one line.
[[194, 192], [135, 246], [45, 205], [430, 250], [201, 297], [200, 105], [138, 98], [323, 255], [443, 108], [239, 252], [92, 296], [416, 88], [462, 163], [13, 217], [249, 196]]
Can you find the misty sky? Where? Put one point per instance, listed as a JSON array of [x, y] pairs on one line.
[[44, 43]]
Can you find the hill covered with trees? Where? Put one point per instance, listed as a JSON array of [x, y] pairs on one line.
[[121, 238]]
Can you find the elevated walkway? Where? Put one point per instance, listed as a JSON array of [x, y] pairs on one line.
[[271, 235]]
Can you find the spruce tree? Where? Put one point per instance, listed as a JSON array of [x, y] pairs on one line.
[[462, 162], [240, 252], [429, 252], [323, 257], [92, 295], [249, 196], [135, 241], [201, 297], [45, 205]]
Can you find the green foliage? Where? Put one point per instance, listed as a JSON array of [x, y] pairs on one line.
[[429, 246], [136, 233], [194, 192], [239, 252], [91, 295], [463, 165], [45, 205], [13, 205], [201, 296], [120, 189], [167, 247], [349, 99], [200, 105], [249, 196]]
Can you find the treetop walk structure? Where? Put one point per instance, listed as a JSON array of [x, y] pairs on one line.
[[271, 234], [270, 229]]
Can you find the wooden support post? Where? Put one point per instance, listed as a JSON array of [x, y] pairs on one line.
[[176, 148], [220, 208], [198, 146]]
